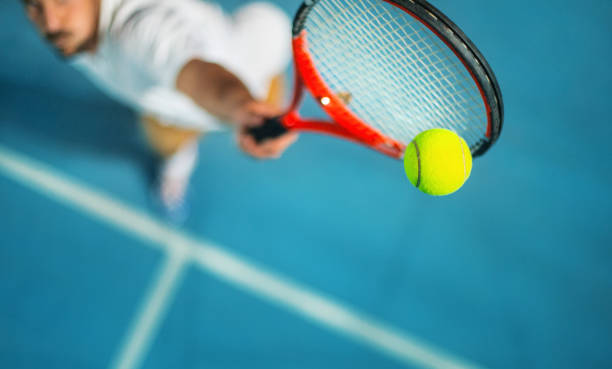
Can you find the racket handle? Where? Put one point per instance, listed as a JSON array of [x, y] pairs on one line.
[[271, 128]]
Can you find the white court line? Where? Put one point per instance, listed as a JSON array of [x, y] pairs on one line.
[[227, 266], [152, 311]]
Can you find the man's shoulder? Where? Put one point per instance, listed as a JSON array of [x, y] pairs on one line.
[[129, 13]]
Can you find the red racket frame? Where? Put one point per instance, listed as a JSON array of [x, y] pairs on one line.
[[344, 124]]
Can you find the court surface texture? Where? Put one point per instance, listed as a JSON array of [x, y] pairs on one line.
[[327, 258]]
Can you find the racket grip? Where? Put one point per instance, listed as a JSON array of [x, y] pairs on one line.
[[271, 128]]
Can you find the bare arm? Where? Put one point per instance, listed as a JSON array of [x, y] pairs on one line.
[[221, 93]]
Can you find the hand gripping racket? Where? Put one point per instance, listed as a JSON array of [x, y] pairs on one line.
[[386, 70]]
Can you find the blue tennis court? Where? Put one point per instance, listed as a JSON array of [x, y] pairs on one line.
[[329, 257]]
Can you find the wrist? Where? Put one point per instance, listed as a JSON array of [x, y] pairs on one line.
[[239, 109]]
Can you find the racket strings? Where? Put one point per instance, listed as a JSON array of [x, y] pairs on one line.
[[465, 83], [466, 104], [419, 88], [402, 78], [418, 93], [431, 62], [359, 83], [393, 62]]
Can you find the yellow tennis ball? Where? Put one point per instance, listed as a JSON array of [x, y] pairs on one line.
[[438, 162]]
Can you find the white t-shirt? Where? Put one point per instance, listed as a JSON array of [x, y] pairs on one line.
[[145, 43]]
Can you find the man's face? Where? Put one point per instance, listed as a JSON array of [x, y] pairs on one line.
[[69, 25]]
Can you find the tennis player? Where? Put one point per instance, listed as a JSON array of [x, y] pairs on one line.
[[185, 65]]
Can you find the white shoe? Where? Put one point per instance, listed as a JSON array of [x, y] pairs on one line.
[[173, 182]]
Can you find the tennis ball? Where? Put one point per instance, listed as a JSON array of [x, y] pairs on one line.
[[438, 162]]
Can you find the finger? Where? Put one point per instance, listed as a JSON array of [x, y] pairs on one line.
[[268, 149], [246, 141], [249, 146], [261, 151], [275, 148], [287, 140]]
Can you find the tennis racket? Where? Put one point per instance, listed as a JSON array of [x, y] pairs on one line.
[[386, 70]]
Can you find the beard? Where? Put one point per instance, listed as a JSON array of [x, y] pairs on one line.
[[61, 43]]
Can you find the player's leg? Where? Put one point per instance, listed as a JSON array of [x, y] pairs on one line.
[[276, 91], [178, 148]]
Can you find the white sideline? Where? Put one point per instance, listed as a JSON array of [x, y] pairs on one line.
[[235, 270], [152, 311]]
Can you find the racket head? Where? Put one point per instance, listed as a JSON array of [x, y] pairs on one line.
[[386, 70]]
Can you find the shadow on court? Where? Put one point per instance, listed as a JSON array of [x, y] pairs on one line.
[[92, 125]]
